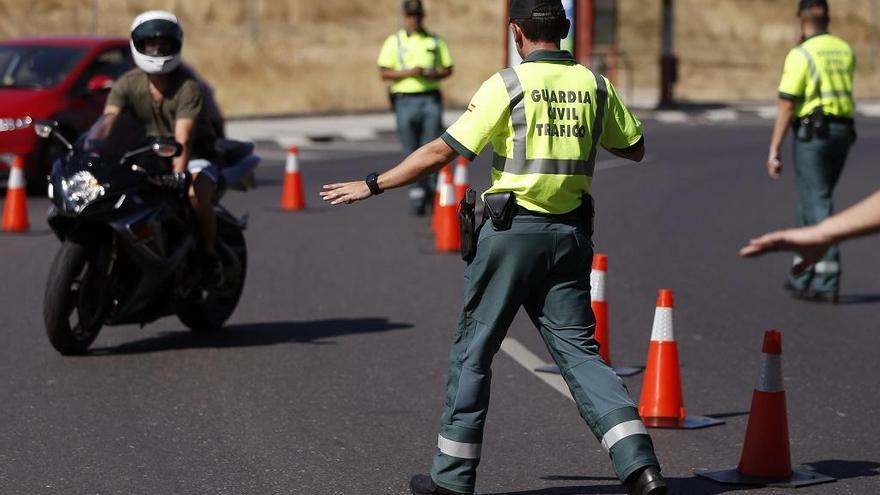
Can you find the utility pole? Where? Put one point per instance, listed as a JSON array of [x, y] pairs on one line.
[[668, 60], [584, 36]]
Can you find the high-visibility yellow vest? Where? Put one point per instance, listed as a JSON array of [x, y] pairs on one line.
[[545, 119], [819, 72], [422, 50]]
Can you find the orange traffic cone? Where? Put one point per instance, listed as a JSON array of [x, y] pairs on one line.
[[766, 458], [600, 305], [15, 216], [292, 197], [461, 178], [662, 404], [445, 176], [448, 234]]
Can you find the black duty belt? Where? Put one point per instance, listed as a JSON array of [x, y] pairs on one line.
[[839, 120], [574, 214]]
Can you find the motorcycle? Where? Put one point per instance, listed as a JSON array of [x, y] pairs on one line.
[[128, 252]]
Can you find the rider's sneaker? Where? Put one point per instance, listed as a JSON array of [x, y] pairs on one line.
[[212, 271]]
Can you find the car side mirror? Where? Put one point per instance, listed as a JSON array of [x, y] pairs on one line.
[[167, 148], [99, 82]]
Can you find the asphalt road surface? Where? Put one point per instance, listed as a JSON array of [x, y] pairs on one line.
[[330, 376]]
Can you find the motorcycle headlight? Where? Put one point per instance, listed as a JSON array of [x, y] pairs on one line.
[[81, 189]]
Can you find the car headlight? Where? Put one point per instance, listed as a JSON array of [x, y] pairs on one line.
[[81, 189], [9, 124]]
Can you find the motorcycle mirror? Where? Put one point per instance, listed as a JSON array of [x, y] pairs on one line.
[[45, 128], [167, 149]]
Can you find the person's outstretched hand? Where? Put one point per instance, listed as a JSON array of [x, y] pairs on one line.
[[808, 242], [346, 192]]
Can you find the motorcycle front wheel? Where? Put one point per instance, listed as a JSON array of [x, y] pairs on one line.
[[70, 314], [206, 310]]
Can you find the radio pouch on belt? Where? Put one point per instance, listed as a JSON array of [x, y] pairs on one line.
[[468, 225], [502, 208]]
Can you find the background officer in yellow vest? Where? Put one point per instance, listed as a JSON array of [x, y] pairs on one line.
[[415, 61], [816, 101], [545, 119]]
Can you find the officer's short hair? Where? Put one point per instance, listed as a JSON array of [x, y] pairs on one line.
[[817, 15], [551, 28]]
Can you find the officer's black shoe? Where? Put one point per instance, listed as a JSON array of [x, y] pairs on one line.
[[648, 481], [422, 484]]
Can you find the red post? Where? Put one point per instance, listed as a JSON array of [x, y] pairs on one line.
[[506, 37], [583, 44]]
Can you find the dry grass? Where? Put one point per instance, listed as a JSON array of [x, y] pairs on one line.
[[281, 56]]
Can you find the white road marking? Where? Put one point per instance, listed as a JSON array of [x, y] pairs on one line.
[[671, 117], [530, 361], [869, 109], [721, 115]]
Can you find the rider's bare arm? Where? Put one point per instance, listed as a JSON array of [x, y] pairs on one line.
[[111, 110], [183, 129]]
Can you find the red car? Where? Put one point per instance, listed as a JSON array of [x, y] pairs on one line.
[[63, 79]]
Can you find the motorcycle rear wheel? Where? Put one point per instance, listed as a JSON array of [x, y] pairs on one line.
[[208, 309], [70, 316]]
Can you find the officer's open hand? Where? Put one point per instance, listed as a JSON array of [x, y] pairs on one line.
[[809, 242], [774, 167], [346, 192]]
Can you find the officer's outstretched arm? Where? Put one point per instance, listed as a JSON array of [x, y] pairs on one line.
[[423, 161]]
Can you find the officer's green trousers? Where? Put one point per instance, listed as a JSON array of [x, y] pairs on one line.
[[543, 265], [817, 165], [419, 121]]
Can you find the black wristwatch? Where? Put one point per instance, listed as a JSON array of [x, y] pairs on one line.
[[373, 184]]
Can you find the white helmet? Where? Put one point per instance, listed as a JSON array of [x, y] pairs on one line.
[[162, 26]]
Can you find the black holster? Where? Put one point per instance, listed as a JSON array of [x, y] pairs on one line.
[[468, 224], [502, 208]]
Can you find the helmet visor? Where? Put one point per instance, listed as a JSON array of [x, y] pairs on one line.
[[157, 38]]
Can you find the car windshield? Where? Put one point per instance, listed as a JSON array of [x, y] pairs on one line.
[[36, 67], [113, 135]]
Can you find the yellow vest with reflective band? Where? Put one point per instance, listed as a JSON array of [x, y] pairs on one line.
[[402, 51], [545, 120], [819, 72]]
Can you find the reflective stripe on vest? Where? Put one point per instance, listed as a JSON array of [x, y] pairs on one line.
[[816, 76], [519, 164]]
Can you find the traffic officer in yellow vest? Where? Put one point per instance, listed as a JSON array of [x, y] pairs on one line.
[[545, 120], [816, 101], [415, 61]]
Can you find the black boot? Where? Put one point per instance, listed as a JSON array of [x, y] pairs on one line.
[[648, 481], [422, 484]]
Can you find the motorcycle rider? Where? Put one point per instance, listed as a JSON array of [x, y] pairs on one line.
[[168, 100]]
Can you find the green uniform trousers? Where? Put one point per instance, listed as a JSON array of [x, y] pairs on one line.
[[817, 167], [543, 264], [419, 121]]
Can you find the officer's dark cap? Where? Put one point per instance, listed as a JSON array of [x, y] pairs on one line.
[[806, 4], [536, 9], [413, 7]]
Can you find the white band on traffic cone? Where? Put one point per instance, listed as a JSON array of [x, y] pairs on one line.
[[461, 175], [16, 178], [447, 194], [292, 164], [597, 285], [662, 330], [770, 378]]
